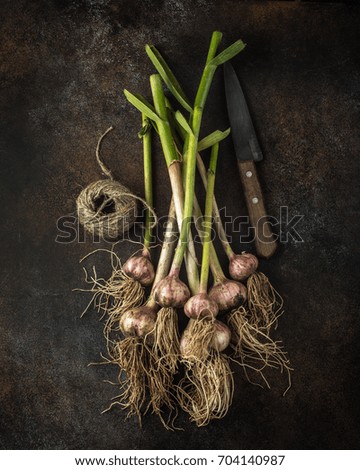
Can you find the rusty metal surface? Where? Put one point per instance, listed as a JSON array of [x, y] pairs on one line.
[[64, 65]]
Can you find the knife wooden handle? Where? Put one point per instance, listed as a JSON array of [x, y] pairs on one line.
[[265, 242]]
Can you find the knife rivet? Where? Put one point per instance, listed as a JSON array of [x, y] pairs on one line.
[[255, 200], [249, 174]]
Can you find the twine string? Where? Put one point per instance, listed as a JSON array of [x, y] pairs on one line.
[[102, 165], [91, 214]]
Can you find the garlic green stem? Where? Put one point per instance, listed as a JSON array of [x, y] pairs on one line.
[[177, 189], [168, 146], [191, 151], [163, 123], [147, 179], [202, 171], [216, 213], [188, 204], [192, 267], [190, 255], [204, 276], [174, 168], [214, 44], [191, 262], [215, 266]]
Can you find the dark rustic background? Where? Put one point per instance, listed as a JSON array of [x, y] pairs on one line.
[[63, 67]]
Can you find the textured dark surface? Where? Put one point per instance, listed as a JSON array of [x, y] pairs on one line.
[[64, 65]]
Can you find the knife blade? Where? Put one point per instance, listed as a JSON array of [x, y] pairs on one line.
[[248, 151]]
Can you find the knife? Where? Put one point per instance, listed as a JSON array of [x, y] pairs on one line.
[[248, 151]]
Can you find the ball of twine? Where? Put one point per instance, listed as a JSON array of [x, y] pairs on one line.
[[106, 207]]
